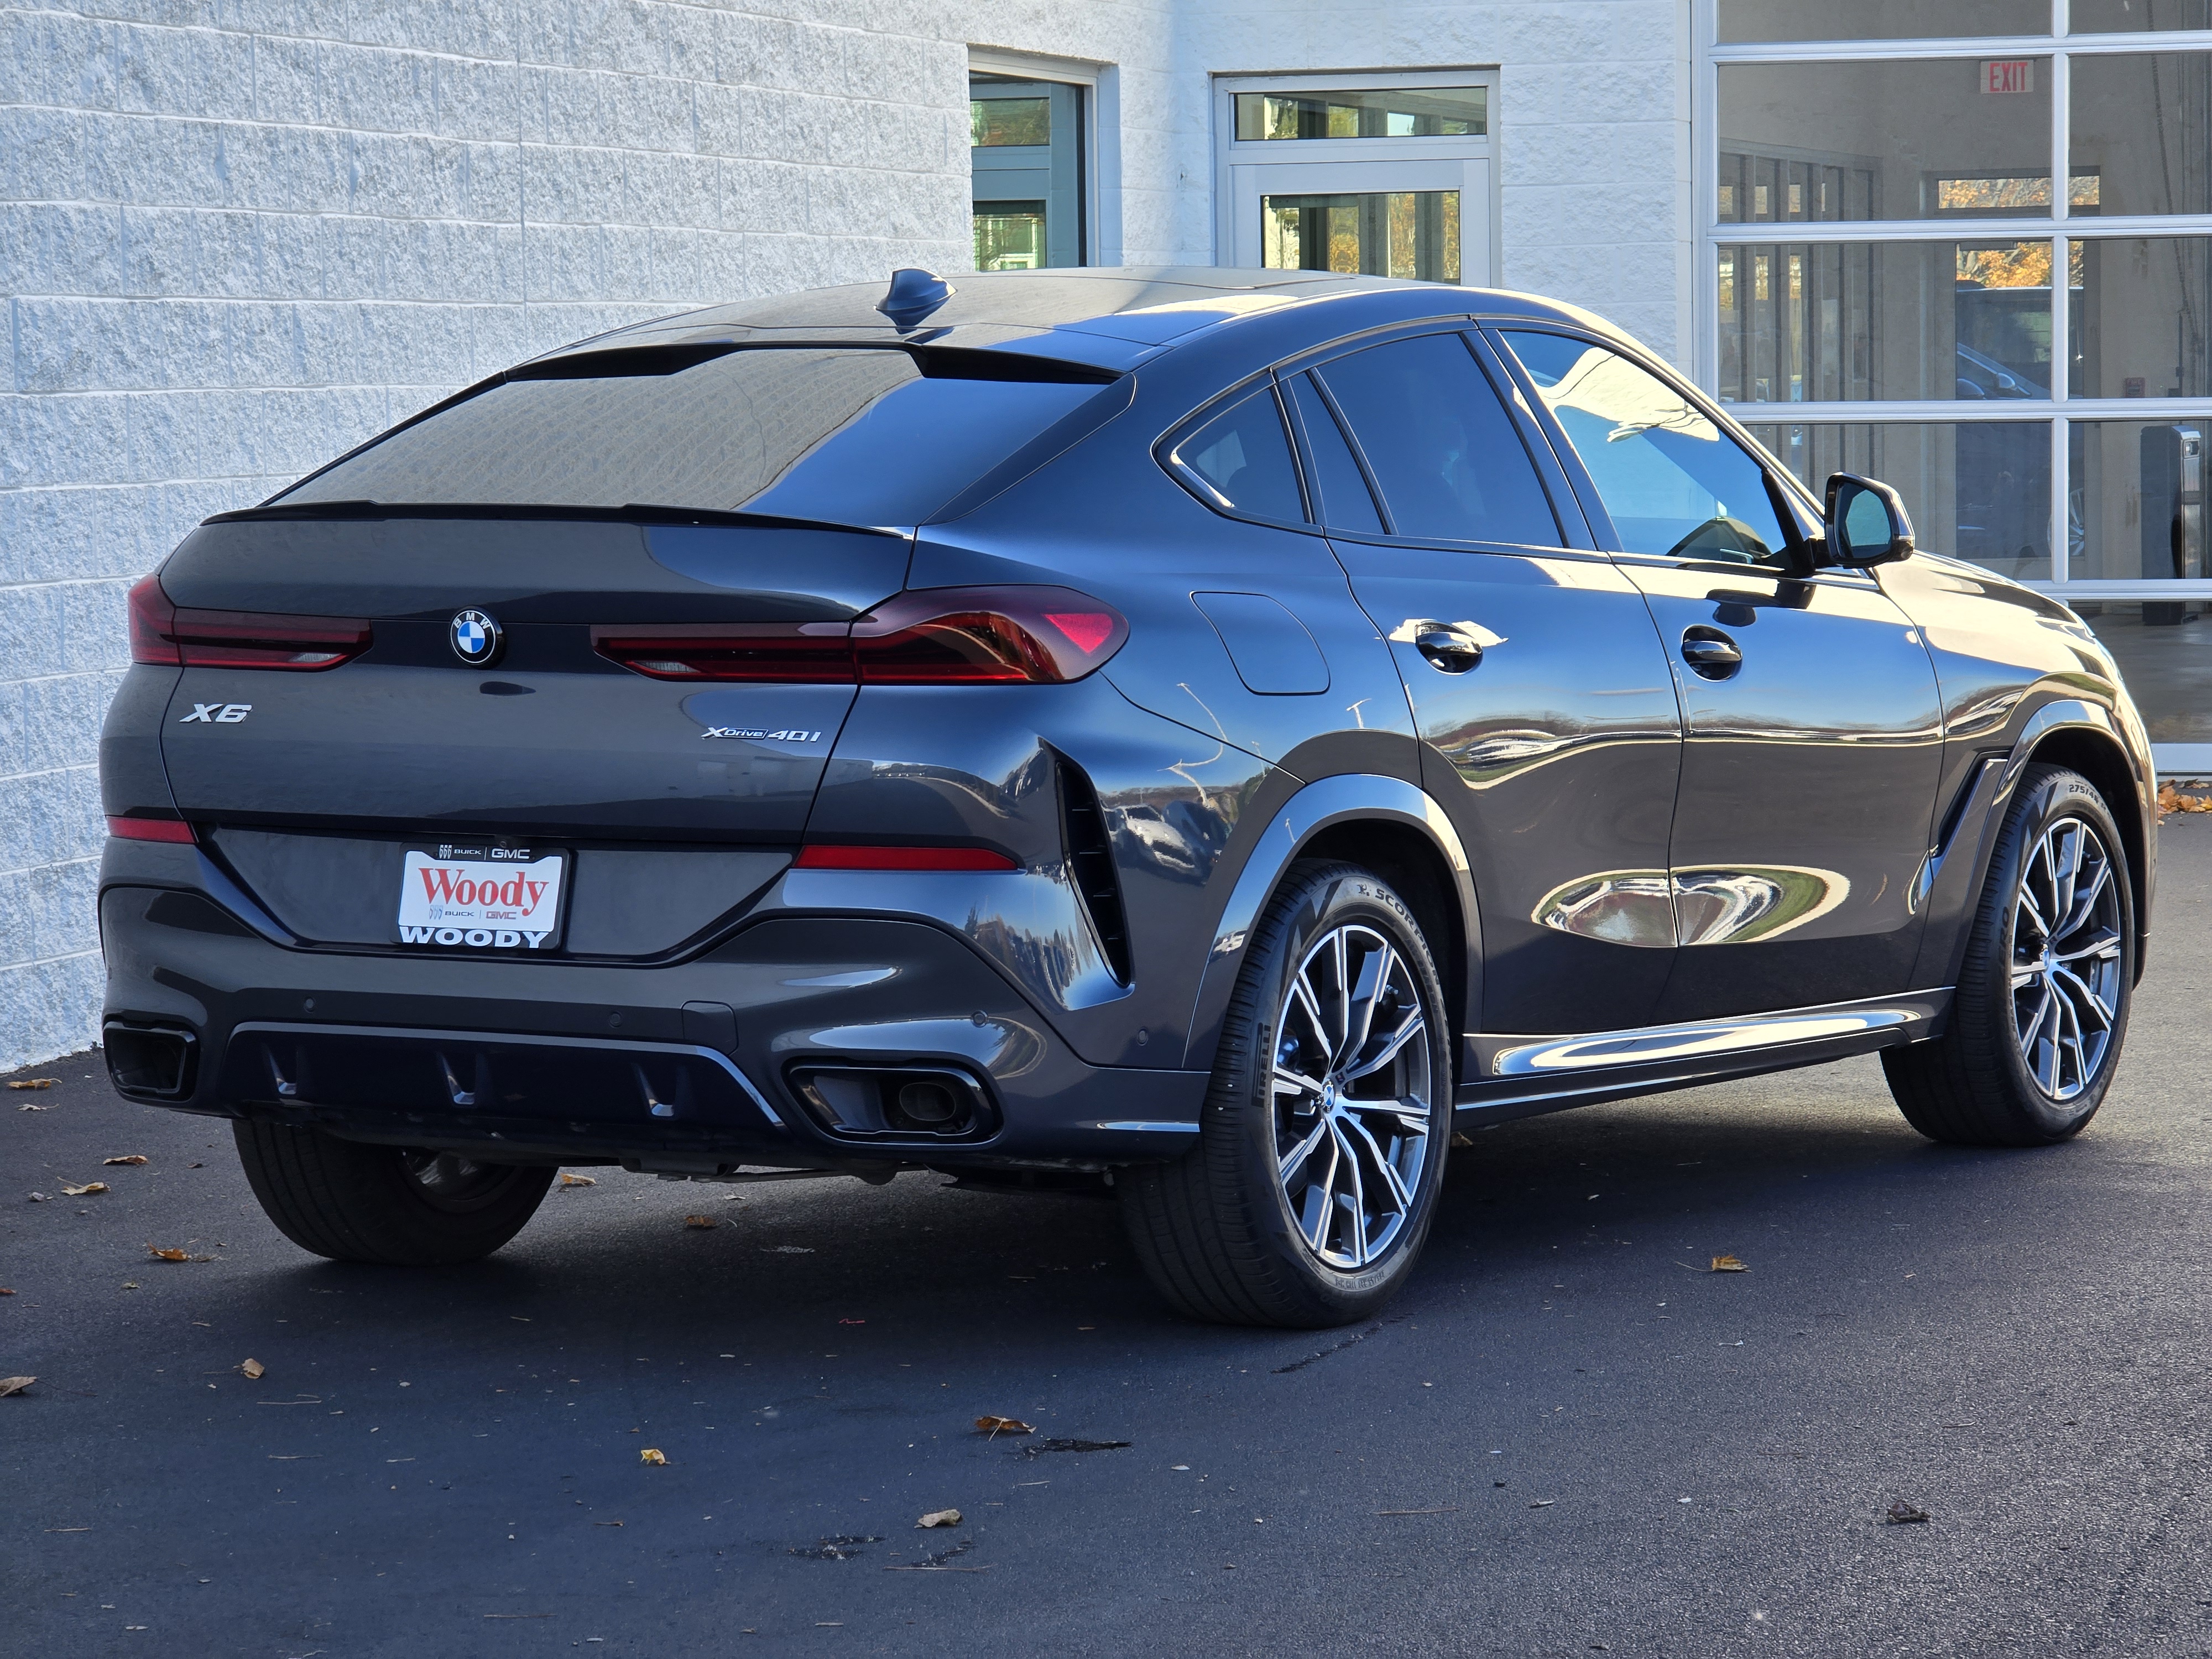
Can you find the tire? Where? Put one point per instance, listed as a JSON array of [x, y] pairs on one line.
[[2004, 1073], [355, 1203], [1218, 1231]]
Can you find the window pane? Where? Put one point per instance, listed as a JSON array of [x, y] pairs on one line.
[[1672, 481], [1346, 503], [1979, 491], [1004, 121], [1884, 19], [846, 437], [1405, 113], [2142, 310], [2164, 648], [2140, 490], [2118, 16], [2143, 124], [1026, 164], [1394, 234], [1447, 455], [1244, 456], [1009, 236], [1894, 139], [1848, 321]]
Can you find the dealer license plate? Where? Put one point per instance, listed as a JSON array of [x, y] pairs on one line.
[[480, 896]]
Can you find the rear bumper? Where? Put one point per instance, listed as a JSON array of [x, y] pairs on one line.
[[691, 1067]]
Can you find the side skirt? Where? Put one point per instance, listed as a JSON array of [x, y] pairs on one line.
[[1511, 1077]]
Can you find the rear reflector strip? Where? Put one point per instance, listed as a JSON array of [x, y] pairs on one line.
[[172, 829], [902, 858]]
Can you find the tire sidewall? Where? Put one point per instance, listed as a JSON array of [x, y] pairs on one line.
[[1326, 899], [2055, 795]]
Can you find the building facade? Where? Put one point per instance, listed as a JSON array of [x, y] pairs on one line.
[[239, 236]]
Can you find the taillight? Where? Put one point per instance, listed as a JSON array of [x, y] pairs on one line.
[[161, 632], [931, 636], [172, 829], [901, 858]]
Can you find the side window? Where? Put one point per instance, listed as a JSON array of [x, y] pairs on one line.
[[1675, 483], [1444, 451], [1345, 502], [1240, 459]]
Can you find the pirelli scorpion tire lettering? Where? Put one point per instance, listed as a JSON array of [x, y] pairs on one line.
[[355, 1203], [1316, 1176], [2041, 1010]]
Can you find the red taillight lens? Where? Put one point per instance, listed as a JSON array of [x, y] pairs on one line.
[[931, 636], [161, 632], [173, 829], [986, 636], [817, 654], [901, 858]]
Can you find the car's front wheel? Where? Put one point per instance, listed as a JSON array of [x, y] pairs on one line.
[[2041, 1008], [408, 1207], [1322, 1152]]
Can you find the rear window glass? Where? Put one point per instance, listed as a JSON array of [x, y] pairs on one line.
[[1242, 458], [849, 436]]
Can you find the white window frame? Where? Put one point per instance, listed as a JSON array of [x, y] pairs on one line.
[[1278, 152], [1101, 122], [2059, 46]]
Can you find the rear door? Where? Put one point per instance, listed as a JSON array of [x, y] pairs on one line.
[[1547, 718], [1814, 733]]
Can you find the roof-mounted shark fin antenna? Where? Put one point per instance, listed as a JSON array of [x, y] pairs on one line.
[[915, 294]]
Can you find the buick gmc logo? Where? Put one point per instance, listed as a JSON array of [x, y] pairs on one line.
[[475, 637]]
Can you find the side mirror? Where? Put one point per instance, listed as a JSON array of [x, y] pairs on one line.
[[1866, 523]]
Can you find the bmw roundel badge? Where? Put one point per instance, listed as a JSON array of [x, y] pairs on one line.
[[476, 638]]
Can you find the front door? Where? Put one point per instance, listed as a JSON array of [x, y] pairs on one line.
[[1540, 690], [1809, 705]]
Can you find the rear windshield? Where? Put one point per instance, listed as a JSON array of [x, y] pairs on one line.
[[851, 436]]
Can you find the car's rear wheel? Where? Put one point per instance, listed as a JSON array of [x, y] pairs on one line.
[[1322, 1149], [2041, 1008], [401, 1205]]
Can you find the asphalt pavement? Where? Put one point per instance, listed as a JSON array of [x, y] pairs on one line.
[[1569, 1436]]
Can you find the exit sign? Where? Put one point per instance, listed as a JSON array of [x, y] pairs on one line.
[[2009, 75]]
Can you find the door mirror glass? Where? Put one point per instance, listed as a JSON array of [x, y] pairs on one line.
[[1865, 522]]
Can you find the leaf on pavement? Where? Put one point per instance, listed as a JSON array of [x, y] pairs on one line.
[[133, 1157], [1729, 1264], [939, 1518], [33, 1082], [160, 1255], [253, 1370], [995, 1426], [88, 1187], [568, 1180], [2170, 799], [701, 1221], [652, 1454], [15, 1385], [1902, 1513]]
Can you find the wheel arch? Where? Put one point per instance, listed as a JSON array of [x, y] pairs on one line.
[[1385, 825], [2093, 750]]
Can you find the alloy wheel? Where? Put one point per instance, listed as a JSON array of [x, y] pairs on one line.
[[1350, 1096], [2066, 957]]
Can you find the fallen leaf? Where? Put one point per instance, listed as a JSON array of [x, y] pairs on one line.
[[34, 1109], [130, 1284], [3, 1291], [999, 1425], [253, 1370], [134, 1157], [88, 1187], [2170, 799], [33, 1082], [1458, 1139], [652, 1454], [15, 1385], [1729, 1264], [1543, 1503], [37, 1197], [568, 1180], [939, 1518], [1902, 1513], [701, 1221], [160, 1255]]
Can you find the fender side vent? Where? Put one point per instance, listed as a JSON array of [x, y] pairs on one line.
[[1091, 862]]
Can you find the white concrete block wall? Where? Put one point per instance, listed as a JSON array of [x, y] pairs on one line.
[[239, 236]]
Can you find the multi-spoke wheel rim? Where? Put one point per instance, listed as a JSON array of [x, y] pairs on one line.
[[2066, 958], [1350, 1096]]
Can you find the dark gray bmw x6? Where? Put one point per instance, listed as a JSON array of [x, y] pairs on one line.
[[1200, 734]]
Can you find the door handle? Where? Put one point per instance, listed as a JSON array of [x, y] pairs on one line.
[[1447, 649], [1710, 653]]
